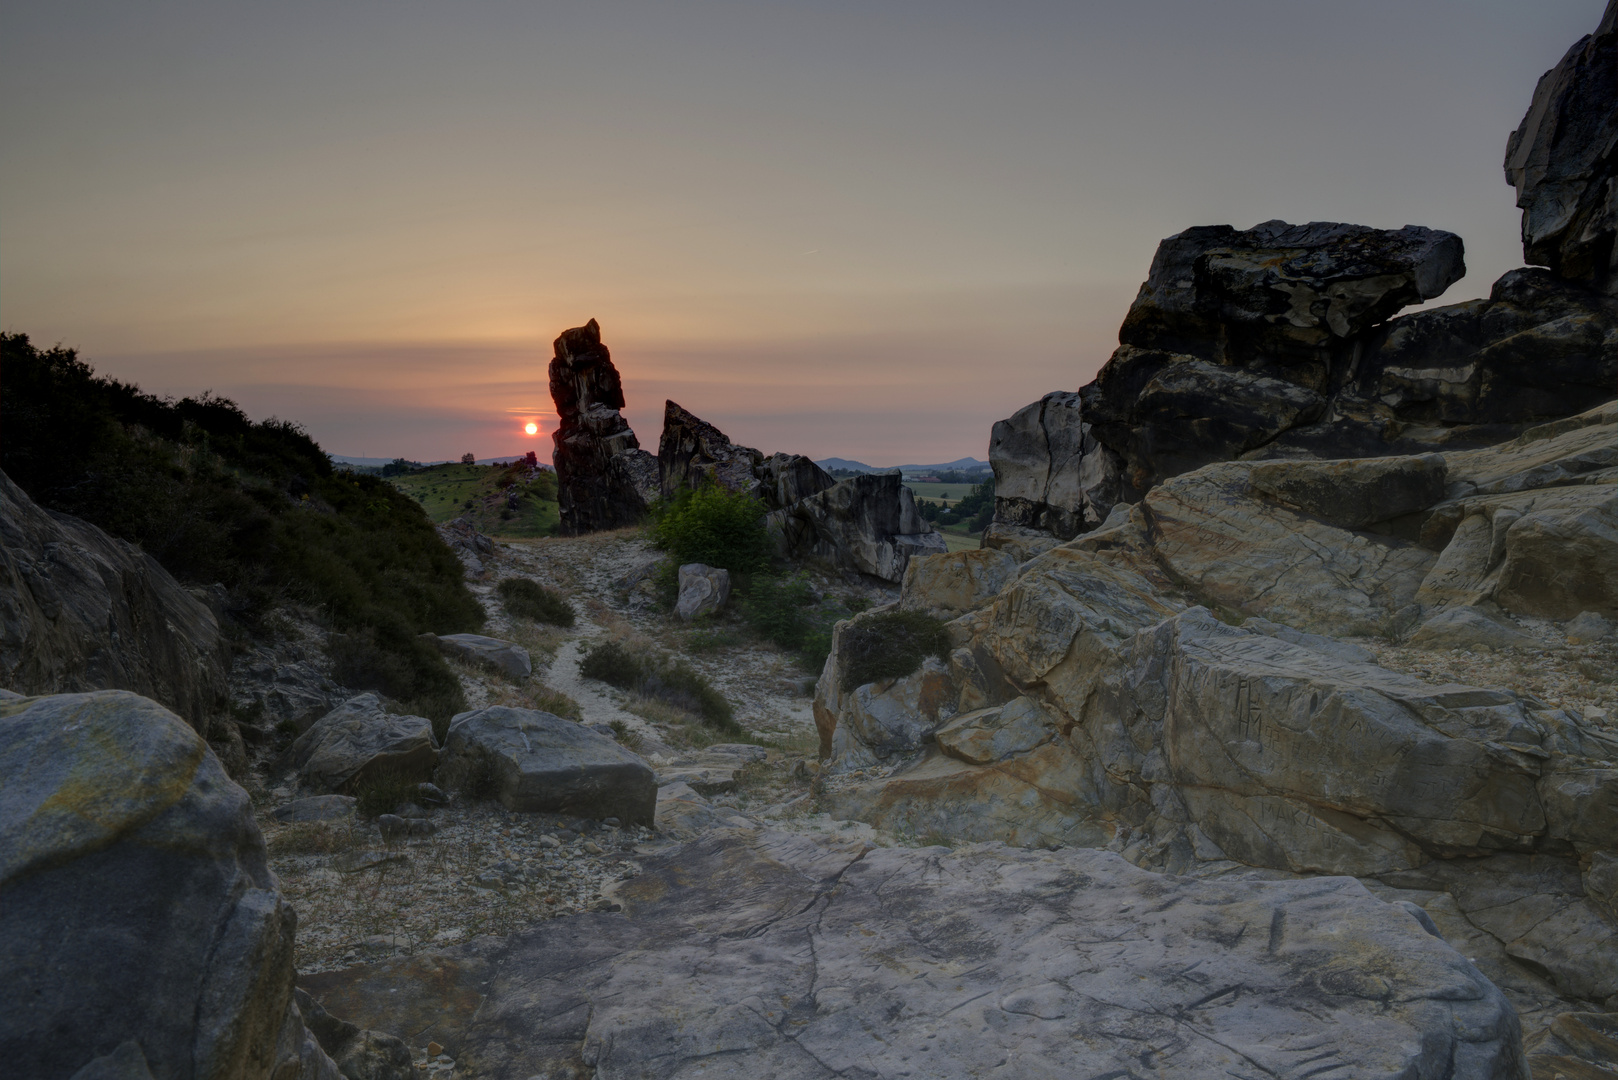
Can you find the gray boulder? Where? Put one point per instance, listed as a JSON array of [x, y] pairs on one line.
[[1561, 161], [703, 590], [506, 657], [1466, 627], [950, 964], [359, 739], [534, 761], [82, 611], [867, 523], [1050, 473], [1588, 627], [604, 479], [142, 932]]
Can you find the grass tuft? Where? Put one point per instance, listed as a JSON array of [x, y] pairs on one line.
[[652, 675], [528, 599]]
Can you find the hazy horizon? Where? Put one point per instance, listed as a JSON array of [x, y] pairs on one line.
[[826, 228]]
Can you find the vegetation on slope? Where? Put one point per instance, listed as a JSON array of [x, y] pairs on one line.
[[513, 501], [257, 507]]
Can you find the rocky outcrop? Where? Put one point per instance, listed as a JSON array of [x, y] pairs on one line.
[[473, 548], [1097, 700], [359, 740], [1279, 341], [693, 452], [894, 960], [142, 932], [534, 761], [1562, 162], [703, 591], [604, 479], [82, 611], [867, 523]]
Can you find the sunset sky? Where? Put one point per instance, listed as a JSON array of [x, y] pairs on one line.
[[857, 229]]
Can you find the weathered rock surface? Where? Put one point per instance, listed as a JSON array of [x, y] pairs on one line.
[[1561, 161], [359, 739], [703, 590], [604, 479], [1050, 473], [82, 611], [868, 523], [534, 761], [473, 548], [954, 583], [1466, 627], [710, 771], [141, 931], [506, 657], [693, 452], [359, 1054], [889, 961]]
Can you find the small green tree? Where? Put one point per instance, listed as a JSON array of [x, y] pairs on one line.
[[713, 526]]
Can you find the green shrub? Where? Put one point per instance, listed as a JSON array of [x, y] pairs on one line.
[[664, 678], [528, 599], [715, 527], [409, 671], [777, 609], [891, 646]]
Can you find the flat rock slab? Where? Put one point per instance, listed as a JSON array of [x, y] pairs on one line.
[[772, 954], [537, 762], [360, 739], [506, 657]]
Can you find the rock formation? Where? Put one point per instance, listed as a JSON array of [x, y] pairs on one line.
[[751, 953], [1279, 341], [604, 479], [868, 523], [82, 611], [358, 740], [1095, 699], [1562, 162], [142, 932]]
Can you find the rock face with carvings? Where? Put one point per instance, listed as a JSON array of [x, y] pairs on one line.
[[604, 479], [779, 955], [80, 610]]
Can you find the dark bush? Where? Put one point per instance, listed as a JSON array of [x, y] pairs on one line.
[[216, 497], [778, 609], [649, 674], [409, 670], [891, 646], [715, 527], [528, 599]]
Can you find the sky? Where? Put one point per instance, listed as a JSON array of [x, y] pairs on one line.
[[864, 230]]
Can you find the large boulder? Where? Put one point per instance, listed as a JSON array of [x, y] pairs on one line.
[[534, 761], [604, 479], [358, 740], [82, 611], [1050, 473], [956, 582], [868, 523], [891, 961], [1561, 159], [141, 930]]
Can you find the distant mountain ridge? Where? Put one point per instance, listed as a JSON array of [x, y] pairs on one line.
[[965, 464]]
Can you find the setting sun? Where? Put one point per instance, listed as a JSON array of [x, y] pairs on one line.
[[532, 428]]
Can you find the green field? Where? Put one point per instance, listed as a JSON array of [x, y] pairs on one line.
[[948, 494], [479, 493], [955, 541]]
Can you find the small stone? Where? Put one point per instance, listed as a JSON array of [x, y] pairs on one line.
[[592, 848], [394, 828], [566, 836], [611, 822], [434, 1049], [549, 841], [431, 795]]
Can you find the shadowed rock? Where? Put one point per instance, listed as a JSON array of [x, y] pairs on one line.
[[80, 610], [604, 479], [1561, 159]]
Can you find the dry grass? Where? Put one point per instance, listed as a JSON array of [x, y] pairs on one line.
[[310, 838], [538, 639], [534, 694]]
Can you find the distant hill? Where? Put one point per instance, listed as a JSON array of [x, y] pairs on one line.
[[965, 464], [378, 462]]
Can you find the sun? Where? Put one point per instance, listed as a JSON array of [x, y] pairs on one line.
[[531, 427]]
